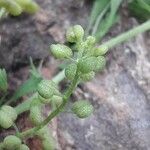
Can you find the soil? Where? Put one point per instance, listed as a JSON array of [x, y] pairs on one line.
[[120, 94]]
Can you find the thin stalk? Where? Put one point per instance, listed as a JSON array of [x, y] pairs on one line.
[[54, 113], [101, 15], [128, 35]]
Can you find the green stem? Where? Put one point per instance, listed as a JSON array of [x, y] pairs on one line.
[[54, 113], [128, 35]]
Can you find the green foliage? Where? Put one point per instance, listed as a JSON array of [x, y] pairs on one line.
[[3, 80], [29, 86], [103, 16], [140, 9], [16, 7]]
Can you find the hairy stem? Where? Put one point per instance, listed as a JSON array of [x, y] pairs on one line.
[[54, 113], [128, 35]]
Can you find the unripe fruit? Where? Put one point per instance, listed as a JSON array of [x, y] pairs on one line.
[[12, 142], [23, 147], [5, 120], [57, 100], [61, 51], [10, 111], [46, 89], [101, 62], [48, 144], [101, 50], [28, 5], [82, 108], [70, 71], [74, 34], [90, 41], [11, 6], [86, 65], [35, 114], [88, 76]]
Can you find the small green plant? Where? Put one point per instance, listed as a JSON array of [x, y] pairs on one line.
[[85, 60], [16, 7]]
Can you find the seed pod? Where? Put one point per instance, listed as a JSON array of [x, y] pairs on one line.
[[57, 100], [75, 34], [101, 50], [90, 41], [12, 142], [23, 147], [61, 51], [46, 89], [28, 6], [101, 62], [5, 120], [48, 144], [70, 71], [3, 80], [11, 6], [35, 114], [86, 65], [88, 76], [82, 108], [10, 111]]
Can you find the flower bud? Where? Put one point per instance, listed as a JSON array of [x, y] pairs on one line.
[[101, 50], [12, 142], [23, 147], [70, 71], [46, 89], [75, 34], [61, 51], [10, 111], [86, 65], [90, 41], [101, 62], [88, 76], [3, 80], [5, 120], [82, 108]]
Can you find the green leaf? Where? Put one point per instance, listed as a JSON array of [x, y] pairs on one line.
[[97, 8], [28, 86], [140, 9]]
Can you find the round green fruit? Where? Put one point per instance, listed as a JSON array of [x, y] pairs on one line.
[[70, 71], [82, 108], [12, 142]]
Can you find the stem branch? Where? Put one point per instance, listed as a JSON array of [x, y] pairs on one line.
[[54, 113]]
